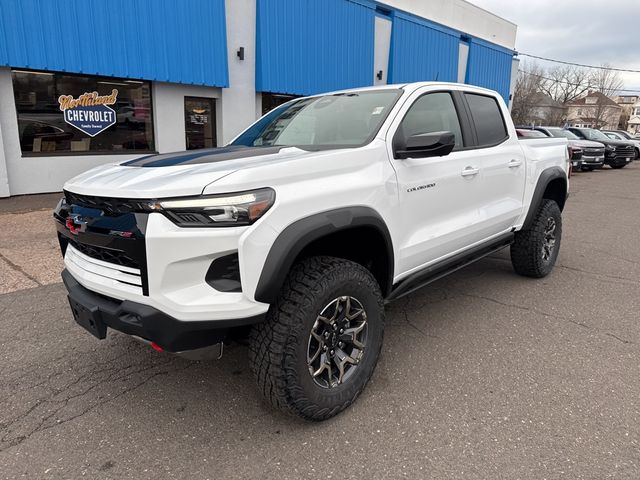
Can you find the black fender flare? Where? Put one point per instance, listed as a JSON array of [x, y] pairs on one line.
[[545, 178], [294, 238]]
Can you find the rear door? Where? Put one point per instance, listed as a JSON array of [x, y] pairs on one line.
[[499, 154], [439, 196]]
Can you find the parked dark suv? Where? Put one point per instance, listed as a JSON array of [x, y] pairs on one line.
[[622, 135], [592, 152], [617, 153]]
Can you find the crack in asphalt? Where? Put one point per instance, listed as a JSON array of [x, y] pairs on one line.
[[20, 270], [415, 327], [613, 278], [612, 255], [548, 315], [110, 375]]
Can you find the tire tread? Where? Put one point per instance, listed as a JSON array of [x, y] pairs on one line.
[[525, 250], [273, 341]]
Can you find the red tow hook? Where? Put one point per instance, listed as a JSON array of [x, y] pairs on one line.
[[156, 347]]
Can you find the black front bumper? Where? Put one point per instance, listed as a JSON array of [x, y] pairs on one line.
[[146, 322]]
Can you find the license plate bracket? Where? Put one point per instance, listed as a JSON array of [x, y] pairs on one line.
[[88, 318]]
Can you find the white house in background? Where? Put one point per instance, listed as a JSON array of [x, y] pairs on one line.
[[633, 125], [594, 110]]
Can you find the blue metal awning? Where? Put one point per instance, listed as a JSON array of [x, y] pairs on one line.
[[163, 40]]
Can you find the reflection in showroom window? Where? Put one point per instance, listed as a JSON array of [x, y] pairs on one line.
[[60, 113]]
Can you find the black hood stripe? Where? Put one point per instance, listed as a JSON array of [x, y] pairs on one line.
[[209, 155]]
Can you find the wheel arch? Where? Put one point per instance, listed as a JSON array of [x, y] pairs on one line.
[[552, 185], [329, 233]]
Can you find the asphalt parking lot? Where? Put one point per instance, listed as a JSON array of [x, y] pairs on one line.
[[484, 375]]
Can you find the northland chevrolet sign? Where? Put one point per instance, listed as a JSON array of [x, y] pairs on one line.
[[90, 113]]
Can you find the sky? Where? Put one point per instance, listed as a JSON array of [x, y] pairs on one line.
[[583, 31]]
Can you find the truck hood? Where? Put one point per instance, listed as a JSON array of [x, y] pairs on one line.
[[586, 144], [175, 174]]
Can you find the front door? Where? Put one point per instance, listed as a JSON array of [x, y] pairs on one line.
[[439, 196], [199, 122]]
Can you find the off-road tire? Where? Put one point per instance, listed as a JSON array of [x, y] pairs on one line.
[[279, 345], [527, 251]]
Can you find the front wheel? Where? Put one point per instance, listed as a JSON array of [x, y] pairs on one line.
[[535, 248], [321, 340]]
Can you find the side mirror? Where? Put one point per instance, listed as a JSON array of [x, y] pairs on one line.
[[423, 145]]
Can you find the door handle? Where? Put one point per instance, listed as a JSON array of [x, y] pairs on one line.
[[470, 171], [515, 163]]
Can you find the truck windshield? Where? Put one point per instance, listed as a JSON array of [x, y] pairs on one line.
[[624, 135], [341, 120], [593, 134]]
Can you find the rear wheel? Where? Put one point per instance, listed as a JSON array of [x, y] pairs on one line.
[[535, 249], [321, 340]]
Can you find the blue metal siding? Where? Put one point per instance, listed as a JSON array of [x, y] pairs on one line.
[[165, 40], [304, 47], [422, 51], [489, 66]]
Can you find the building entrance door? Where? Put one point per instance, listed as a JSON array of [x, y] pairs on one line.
[[382, 45], [200, 122]]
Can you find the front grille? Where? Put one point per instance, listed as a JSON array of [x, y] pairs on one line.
[[593, 151], [624, 151], [105, 254], [108, 242], [110, 206]]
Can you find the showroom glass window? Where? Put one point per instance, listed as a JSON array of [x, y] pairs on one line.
[[44, 131]]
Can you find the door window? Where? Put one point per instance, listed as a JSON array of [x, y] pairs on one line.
[[433, 112], [487, 118], [200, 122]]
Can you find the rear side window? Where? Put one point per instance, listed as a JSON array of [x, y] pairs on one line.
[[433, 112], [487, 118]]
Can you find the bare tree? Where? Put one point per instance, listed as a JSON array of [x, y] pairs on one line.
[[524, 96], [556, 117], [623, 123], [565, 83], [608, 83]]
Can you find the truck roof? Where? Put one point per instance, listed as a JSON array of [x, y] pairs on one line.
[[410, 87]]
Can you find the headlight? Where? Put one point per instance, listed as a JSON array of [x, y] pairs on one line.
[[226, 210], [610, 148]]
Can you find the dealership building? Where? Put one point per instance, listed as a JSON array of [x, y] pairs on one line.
[[86, 83]]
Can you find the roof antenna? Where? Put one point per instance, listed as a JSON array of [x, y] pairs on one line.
[[437, 74]]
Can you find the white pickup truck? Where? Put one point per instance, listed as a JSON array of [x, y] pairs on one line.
[[300, 230]]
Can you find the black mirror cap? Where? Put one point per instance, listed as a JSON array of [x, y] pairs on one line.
[[423, 145]]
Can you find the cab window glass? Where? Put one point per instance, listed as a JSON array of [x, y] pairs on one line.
[[487, 118], [433, 112]]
